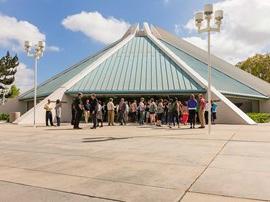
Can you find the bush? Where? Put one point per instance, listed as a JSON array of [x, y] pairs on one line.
[[260, 117], [4, 117]]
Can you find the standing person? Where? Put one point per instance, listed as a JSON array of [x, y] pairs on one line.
[[87, 108], [202, 105], [94, 108], [180, 111], [214, 111], [78, 106], [170, 112], [126, 112], [160, 112], [176, 112], [185, 114], [192, 107], [133, 110], [165, 115], [99, 114], [105, 111], [121, 111], [48, 108], [146, 117], [152, 111], [58, 111], [207, 108], [73, 113], [110, 108], [141, 111]]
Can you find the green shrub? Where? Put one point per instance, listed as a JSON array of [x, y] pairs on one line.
[[260, 117], [4, 117]]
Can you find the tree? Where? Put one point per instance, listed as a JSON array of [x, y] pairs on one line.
[[13, 92], [8, 69], [258, 65]]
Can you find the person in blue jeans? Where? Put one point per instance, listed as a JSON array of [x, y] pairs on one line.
[[214, 111], [192, 106]]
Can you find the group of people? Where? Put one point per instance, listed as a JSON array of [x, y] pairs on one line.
[[58, 112], [171, 112]]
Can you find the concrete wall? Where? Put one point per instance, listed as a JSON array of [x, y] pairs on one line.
[[13, 105], [247, 105], [264, 106]]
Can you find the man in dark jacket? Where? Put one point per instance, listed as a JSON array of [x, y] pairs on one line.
[[94, 106], [78, 107]]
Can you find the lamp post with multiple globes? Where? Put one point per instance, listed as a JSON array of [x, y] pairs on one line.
[[36, 53], [199, 18]]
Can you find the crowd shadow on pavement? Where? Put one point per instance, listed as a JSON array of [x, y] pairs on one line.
[[103, 139]]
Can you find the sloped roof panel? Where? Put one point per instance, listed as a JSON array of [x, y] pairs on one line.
[[221, 81], [55, 82], [138, 67]]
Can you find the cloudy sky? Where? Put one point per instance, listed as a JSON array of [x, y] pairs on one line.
[[75, 29]]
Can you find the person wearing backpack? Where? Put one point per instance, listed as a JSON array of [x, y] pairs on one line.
[[160, 112], [152, 111]]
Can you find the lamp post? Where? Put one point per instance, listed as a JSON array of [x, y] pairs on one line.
[[36, 53], [199, 18]]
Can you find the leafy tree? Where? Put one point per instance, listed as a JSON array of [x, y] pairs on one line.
[[8, 69], [258, 65], [13, 92]]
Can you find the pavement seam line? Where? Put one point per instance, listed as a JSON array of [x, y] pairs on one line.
[[93, 156], [61, 191], [219, 151], [236, 197], [87, 177]]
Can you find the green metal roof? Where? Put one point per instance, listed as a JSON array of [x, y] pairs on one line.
[[221, 81], [55, 82], [138, 67]]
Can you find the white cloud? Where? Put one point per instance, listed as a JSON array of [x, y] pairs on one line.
[[53, 48], [245, 30], [14, 32], [24, 77], [97, 27]]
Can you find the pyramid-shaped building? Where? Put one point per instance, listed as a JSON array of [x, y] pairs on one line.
[[153, 62]]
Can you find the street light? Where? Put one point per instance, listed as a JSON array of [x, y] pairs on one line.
[[199, 18], [36, 53]]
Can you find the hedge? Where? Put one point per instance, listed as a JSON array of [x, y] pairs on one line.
[[260, 117], [4, 117]]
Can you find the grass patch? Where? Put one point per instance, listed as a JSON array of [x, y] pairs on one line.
[[260, 117]]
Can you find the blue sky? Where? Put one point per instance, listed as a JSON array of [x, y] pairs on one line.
[[69, 47]]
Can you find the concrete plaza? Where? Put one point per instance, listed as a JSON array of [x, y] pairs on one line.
[[134, 163]]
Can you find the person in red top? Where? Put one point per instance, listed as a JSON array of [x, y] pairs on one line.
[[202, 104]]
